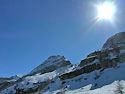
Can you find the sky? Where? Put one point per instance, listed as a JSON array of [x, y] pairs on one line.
[[33, 30]]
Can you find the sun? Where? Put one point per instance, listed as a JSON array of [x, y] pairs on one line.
[[106, 11]]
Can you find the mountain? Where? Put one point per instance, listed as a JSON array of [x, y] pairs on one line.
[[115, 40], [51, 64], [101, 72]]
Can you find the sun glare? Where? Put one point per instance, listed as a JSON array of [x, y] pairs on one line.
[[106, 11]]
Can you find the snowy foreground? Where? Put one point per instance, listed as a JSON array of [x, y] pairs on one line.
[[111, 81], [115, 88]]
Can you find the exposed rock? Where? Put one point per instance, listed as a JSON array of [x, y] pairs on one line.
[[86, 69], [98, 60], [102, 59], [51, 64], [115, 40]]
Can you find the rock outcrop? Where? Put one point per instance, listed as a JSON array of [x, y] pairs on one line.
[[116, 40], [103, 59]]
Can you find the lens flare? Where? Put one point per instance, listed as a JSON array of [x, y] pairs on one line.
[[106, 11]]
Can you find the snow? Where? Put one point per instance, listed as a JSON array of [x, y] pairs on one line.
[[29, 81], [107, 89], [107, 82], [107, 77], [51, 61], [40, 78], [78, 85]]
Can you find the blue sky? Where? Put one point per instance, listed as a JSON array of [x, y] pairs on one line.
[[33, 30]]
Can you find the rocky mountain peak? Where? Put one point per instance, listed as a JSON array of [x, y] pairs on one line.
[[51, 64], [115, 40]]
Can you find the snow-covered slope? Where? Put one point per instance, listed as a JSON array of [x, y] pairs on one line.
[[117, 87], [95, 80], [101, 72]]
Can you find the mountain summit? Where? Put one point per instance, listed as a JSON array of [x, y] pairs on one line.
[[115, 40], [51, 64]]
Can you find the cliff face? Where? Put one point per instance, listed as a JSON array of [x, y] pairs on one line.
[[57, 75], [98, 60], [110, 57]]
